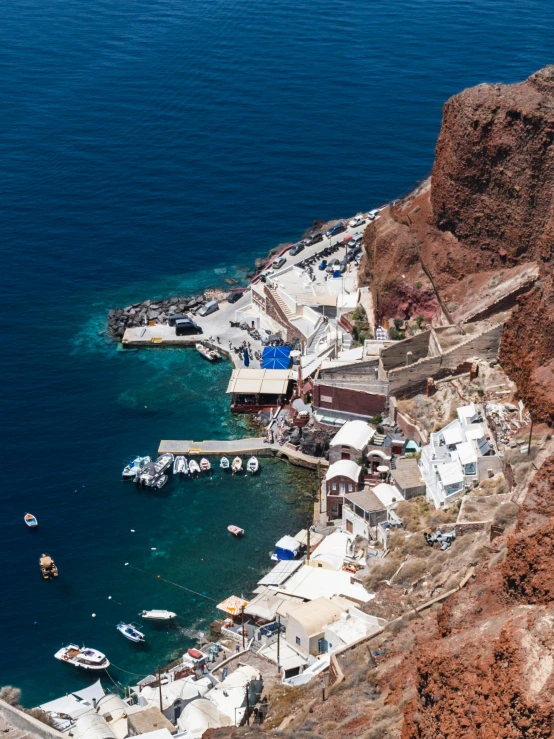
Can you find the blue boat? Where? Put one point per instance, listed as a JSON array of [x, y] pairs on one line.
[[30, 520]]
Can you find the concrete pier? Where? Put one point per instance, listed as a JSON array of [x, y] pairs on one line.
[[242, 447]]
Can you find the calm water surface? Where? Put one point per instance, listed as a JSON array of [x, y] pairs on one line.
[[147, 148]]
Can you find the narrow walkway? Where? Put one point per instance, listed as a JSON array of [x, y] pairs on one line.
[[231, 447]]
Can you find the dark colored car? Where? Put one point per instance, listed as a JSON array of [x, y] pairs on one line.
[[172, 319], [233, 297], [334, 230], [186, 326], [296, 249], [315, 238]]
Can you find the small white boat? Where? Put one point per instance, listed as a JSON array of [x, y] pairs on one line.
[[130, 632], [235, 530], [179, 465], [150, 474], [253, 465], [158, 615], [83, 657], [30, 520], [193, 467], [237, 464], [134, 467], [224, 463], [210, 354], [160, 482], [186, 470], [205, 466]]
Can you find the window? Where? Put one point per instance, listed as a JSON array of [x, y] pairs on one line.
[[345, 455], [298, 640], [349, 526], [333, 486], [350, 487]]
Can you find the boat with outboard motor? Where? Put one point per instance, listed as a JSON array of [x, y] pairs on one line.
[[134, 467], [131, 632], [151, 472], [30, 520], [158, 615], [210, 354], [179, 465], [47, 567], [237, 465], [83, 657], [224, 463], [205, 466], [193, 467], [253, 465]]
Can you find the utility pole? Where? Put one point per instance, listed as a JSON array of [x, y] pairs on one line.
[[308, 543], [248, 703], [242, 629], [278, 643], [160, 687]]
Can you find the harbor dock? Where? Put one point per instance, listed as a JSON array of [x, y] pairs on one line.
[[234, 447]]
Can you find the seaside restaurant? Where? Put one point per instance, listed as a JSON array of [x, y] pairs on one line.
[[254, 390]]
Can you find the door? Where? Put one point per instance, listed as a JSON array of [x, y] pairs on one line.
[[349, 527]]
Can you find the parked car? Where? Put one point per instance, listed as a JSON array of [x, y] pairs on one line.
[[186, 326], [208, 308], [357, 221], [374, 213], [314, 238], [334, 264], [323, 264], [234, 296], [356, 238], [278, 263], [297, 248], [334, 230]]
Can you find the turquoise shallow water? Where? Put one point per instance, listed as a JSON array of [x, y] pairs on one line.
[[145, 147]]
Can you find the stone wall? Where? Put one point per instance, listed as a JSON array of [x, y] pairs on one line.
[[274, 311], [397, 354], [27, 724], [348, 400]]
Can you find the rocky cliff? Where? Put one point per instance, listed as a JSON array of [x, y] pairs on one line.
[[476, 233]]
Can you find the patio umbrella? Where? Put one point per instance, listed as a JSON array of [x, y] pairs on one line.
[[246, 358]]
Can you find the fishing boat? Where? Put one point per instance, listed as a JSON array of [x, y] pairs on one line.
[[158, 615], [47, 567], [253, 465], [160, 481], [210, 354], [205, 466], [150, 473], [237, 464], [131, 633], [83, 657], [134, 467], [179, 465], [30, 520], [224, 463], [235, 530], [193, 467]]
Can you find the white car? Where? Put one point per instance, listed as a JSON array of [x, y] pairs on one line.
[[357, 221], [278, 263]]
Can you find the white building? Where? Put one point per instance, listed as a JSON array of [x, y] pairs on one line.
[[351, 441], [350, 627], [175, 695], [458, 456]]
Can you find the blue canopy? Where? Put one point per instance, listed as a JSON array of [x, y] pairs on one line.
[[276, 357], [246, 358]]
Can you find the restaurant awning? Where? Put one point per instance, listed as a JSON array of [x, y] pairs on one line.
[[276, 357], [263, 381], [232, 605]]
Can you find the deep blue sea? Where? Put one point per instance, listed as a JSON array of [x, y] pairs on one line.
[[148, 148]]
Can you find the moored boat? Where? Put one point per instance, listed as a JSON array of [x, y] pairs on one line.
[[224, 463], [179, 465], [30, 520], [253, 465], [134, 467], [237, 464], [205, 466], [160, 481], [186, 470], [151, 472], [47, 567], [131, 632], [210, 354], [193, 467], [83, 657], [158, 615], [235, 530]]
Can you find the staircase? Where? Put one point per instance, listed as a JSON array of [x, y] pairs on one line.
[[314, 341], [281, 303]]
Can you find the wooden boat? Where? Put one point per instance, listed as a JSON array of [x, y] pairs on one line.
[[237, 465], [235, 530], [83, 657], [48, 567], [131, 632], [224, 463], [253, 465], [205, 466], [210, 354], [158, 615], [30, 520]]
